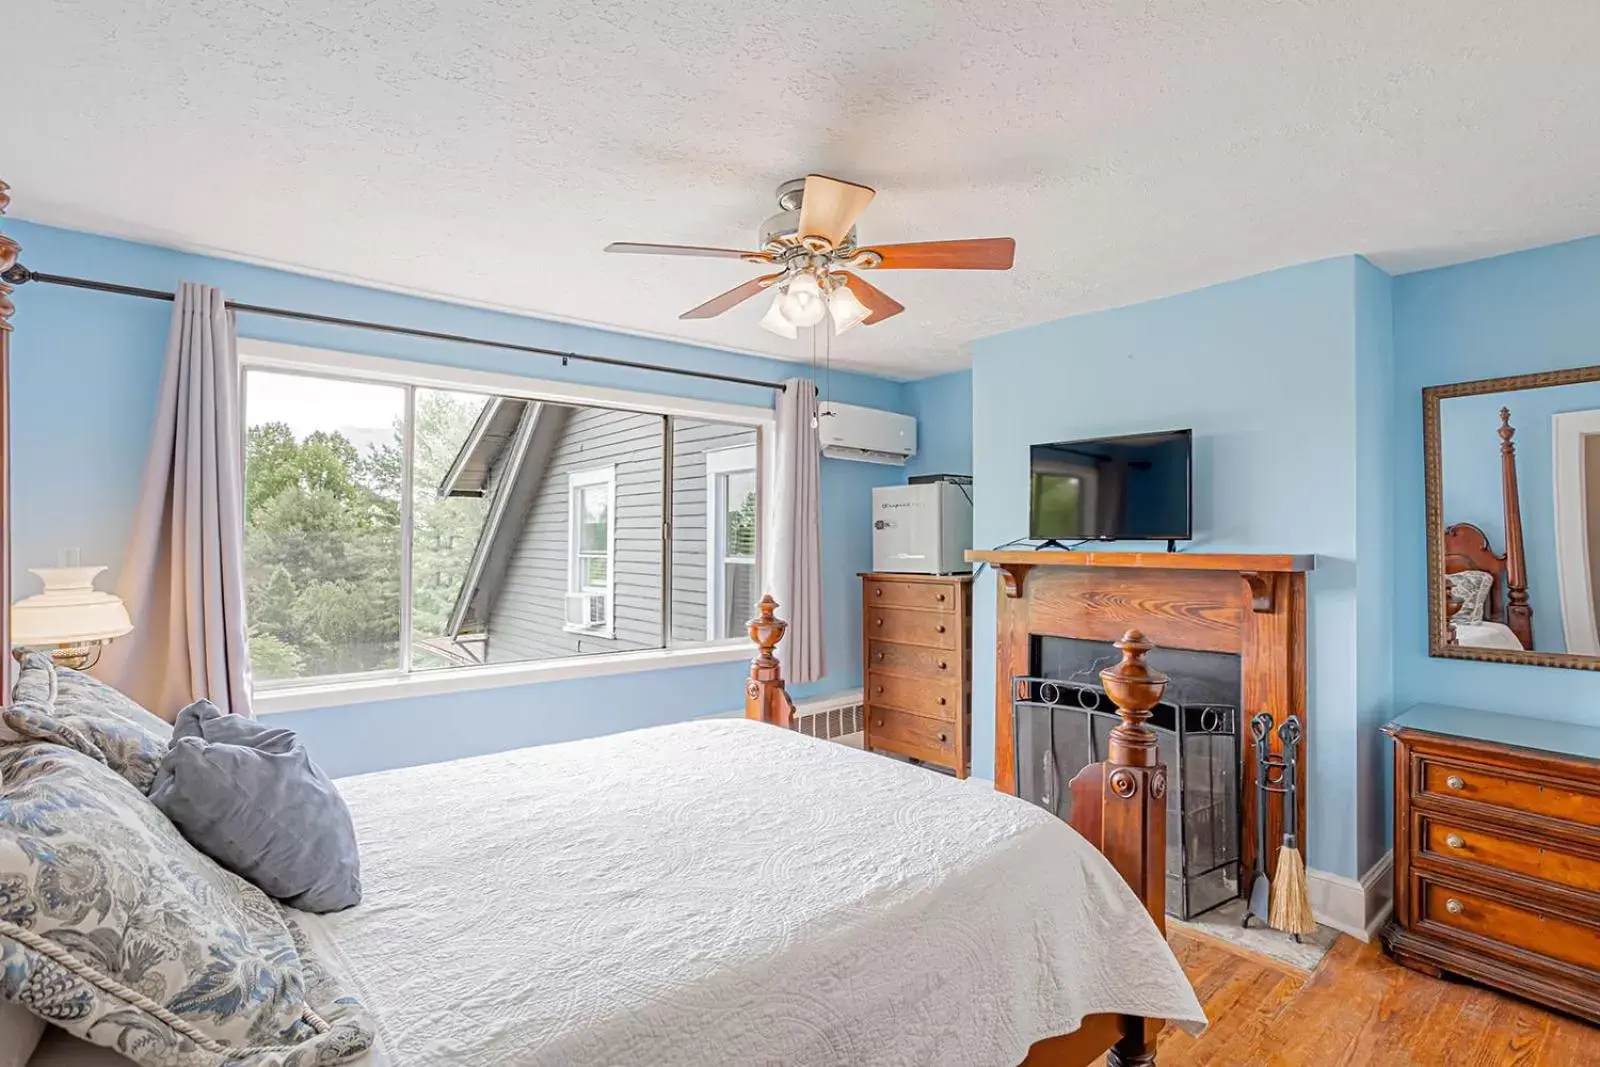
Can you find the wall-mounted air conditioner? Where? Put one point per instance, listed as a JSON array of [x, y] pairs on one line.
[[867, 434]]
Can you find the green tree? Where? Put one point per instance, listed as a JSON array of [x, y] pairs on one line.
[[322, 541]]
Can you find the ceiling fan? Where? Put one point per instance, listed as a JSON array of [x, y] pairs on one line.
[[812, 242]]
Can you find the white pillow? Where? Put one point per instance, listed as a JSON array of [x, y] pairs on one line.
[[20, 1031], [1472, 589]]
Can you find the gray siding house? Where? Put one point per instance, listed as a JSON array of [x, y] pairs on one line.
[[574, 556]]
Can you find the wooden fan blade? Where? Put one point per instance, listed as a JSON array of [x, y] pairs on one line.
[[880, 303], [732, 298], [984, 253], [684, 250], [829, 207]]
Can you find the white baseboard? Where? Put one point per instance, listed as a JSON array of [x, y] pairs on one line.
[[1358, 908]]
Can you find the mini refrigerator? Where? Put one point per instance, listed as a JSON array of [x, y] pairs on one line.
[[922, 529]]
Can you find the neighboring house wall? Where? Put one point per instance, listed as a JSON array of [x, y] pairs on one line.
[[691, 497], [528, 614]]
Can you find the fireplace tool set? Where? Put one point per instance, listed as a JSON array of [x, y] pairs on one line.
[[1284, 903]]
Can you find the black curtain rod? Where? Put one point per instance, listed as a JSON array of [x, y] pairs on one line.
[[19, 275]]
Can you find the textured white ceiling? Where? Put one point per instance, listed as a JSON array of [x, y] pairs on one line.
[[485, 150]]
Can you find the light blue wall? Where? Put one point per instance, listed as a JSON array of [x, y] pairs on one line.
[[1375, 508], [85, 375], [1265, 370], [943, 407], [1469, 443], [1517, 314]]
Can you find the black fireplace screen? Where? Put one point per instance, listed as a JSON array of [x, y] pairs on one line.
[[1061, 727]]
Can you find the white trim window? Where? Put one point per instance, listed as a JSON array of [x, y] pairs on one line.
[[591, 550], [732, 540], [381, 545]]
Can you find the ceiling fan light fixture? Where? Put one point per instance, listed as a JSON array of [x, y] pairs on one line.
[[847, 311], [802, 301], [774, 322]]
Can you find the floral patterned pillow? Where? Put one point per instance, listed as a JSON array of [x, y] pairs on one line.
[[67, 707], [115, 929], [1472, 589]]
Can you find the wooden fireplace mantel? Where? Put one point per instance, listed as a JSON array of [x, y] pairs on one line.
[[1013, 566], [1244, 604]]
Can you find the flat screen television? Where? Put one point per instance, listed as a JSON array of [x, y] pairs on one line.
[[1133, 488]]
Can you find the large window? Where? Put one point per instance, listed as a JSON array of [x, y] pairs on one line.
[[394, 528]]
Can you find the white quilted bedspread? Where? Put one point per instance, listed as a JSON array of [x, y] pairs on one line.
[[725, 892]]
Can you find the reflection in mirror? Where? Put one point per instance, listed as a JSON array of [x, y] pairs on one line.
[[1520, 498]]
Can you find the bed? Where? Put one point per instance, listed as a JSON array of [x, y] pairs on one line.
[[1507, 621], [729, 891]]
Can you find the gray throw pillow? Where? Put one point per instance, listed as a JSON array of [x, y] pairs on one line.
[[248, 796]]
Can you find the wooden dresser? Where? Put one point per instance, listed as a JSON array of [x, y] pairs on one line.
[[916, 638], [1497, 853]]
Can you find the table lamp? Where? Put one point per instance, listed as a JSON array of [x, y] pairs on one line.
[[71, 620]]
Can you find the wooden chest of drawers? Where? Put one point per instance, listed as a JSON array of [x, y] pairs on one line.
[[1497, 853], [916, 638]]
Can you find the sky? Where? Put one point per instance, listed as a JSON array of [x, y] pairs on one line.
[[308, 404]]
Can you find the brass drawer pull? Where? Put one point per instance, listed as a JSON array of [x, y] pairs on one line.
[[1455, 841], [940, 598], [877, 592], [1454, 906], [879, 657], [943, 666], [942, 702], [878, 621], [939, 629], [1455, 782], [877, 689]]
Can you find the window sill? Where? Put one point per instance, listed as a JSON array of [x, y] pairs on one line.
[[495, 676], [591, 631]]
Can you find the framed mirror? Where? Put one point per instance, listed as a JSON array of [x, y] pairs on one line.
[[1513, 488]]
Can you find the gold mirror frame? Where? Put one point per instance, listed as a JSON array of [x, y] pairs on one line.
[[1439, 645]]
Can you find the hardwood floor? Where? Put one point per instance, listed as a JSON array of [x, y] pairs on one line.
[[1359, 1009]]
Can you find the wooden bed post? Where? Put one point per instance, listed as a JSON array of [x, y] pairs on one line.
[[8, 259], [764, 695], [1519, 613], [1120, 805]]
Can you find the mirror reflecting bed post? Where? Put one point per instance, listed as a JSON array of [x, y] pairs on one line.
[[1513, 501]]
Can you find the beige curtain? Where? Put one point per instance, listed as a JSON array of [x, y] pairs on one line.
[[795, 519], [183, 578]]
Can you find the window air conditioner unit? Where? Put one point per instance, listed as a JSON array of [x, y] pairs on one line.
[[586, 609], [866, 434]]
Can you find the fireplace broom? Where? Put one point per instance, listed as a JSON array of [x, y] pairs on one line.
[[1291, 899]]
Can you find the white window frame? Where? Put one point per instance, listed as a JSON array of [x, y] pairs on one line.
[[577, 481], [392, 685], [718, 462]]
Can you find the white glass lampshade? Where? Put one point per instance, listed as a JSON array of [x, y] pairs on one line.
[[846, 310], [801, 302], [774, 321], [70, 611]]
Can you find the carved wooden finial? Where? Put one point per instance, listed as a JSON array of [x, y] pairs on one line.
[[1135, 687], [764, 694], [766, 629], [1507, 431]]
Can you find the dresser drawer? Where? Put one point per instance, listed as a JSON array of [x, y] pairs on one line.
[[929, 596], [912, 735], [1551, 936], [1449, 780], [931, 697], [1501, 852], [914, 659], [913, 627]]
